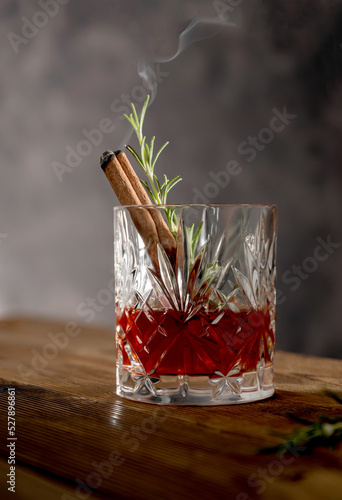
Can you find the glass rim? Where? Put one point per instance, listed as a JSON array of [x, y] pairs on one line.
[[204, 205]]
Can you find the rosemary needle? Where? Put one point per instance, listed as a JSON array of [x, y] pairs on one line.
[[325, 431]]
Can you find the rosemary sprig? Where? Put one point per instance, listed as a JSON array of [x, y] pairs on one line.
[[193, 254], [192, 241], [159, 191], [326, 431], [156, 189]]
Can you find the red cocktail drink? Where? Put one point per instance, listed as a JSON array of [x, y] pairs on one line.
[[166, 343]]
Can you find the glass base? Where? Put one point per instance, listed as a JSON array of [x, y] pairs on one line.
[[196, 390]]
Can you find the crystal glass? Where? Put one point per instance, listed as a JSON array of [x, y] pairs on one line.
[[197, 327]]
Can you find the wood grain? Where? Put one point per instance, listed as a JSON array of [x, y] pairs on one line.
[[69, 421]]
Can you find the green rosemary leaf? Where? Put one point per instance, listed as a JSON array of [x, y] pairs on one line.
[[130, 120], [196, 236], [172, 182], [158, 154], [147, 151], [188, 232], [157, 181], [152, 146], [162, 187], [136, 156], [136, 119], [174, 178], [143, 152], [143, 113], [325, 431], [173, 220], [147, 188]]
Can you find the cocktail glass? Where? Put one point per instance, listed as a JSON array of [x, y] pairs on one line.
[[198, 327]]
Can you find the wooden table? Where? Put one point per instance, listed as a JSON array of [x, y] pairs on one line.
[[76, 439]]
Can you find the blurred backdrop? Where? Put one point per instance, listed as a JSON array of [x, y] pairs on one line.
[[259, 82]]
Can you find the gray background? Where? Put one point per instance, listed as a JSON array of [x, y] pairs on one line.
[[56, 237]]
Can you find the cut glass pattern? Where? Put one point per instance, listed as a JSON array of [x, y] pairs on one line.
[[207, 313]]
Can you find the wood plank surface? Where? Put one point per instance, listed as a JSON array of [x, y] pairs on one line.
[[73, 430]]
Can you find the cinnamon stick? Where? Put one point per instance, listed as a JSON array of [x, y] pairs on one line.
[[164, 233], [126, 195]]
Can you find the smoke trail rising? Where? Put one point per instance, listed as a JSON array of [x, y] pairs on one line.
[[197, 30]]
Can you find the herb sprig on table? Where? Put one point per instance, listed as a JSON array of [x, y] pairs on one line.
[[325, 431]]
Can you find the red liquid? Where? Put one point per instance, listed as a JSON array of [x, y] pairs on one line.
[[165, 344]]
